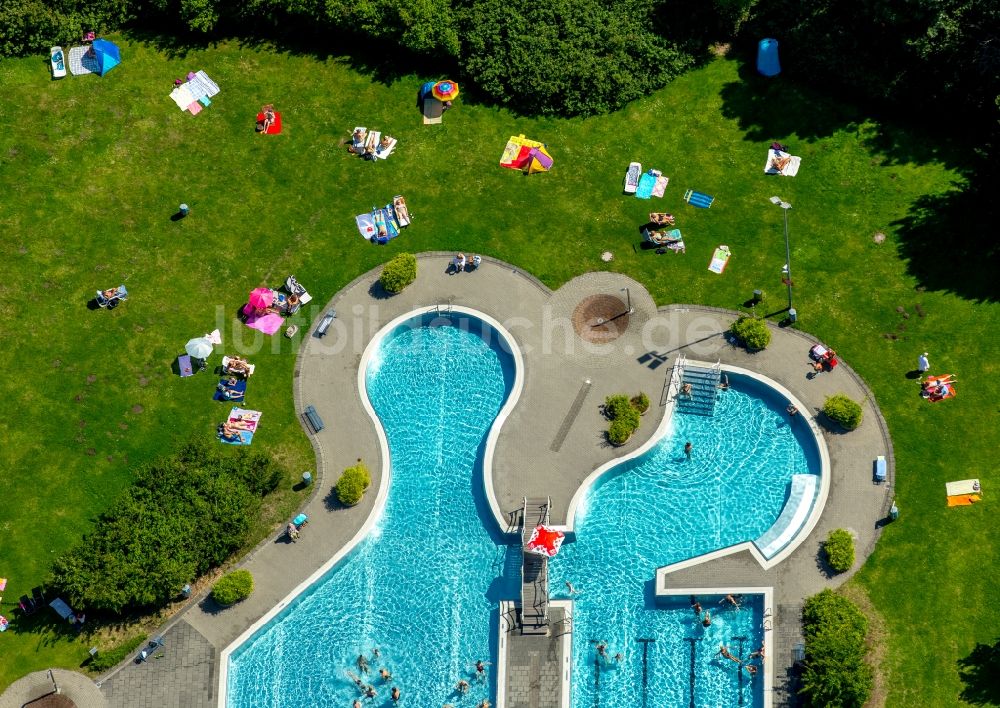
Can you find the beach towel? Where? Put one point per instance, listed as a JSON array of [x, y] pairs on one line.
[[646, 184], [433, 109], [964, 500], [184, 366], [777, 157], [201, 85], [698, 199], [237, 391], [195, 108], [275, 127], [81, 61], [965, 486], [632, 177], [720, 259], [182, 96], [661, 185], [402, 213], [385, 224], [366, 225], [268, 324], [247, 418]]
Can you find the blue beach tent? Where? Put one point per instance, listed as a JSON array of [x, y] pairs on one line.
[[107, 54], [767, 57]]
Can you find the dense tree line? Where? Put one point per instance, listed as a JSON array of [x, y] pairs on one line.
[[572, 57], [182, 516]]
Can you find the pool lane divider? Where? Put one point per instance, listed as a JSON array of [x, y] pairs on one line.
[[646, 641], [692, 640]]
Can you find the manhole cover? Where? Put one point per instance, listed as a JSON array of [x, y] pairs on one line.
[[53, 700], [600, 319]]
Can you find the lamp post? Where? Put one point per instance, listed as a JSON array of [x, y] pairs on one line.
[[628, 300], [787, 270]]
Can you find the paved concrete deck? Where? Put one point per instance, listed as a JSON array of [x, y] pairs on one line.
[[557, 427], [78, 688]]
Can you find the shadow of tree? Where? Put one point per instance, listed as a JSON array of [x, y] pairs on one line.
[[980, 672]]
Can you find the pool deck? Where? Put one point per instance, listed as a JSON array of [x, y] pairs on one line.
[[552, 441]]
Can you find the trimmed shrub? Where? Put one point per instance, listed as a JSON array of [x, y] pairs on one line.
[[624, 418], [753, 332], [233, 587], [844, 411], [182, 516], [398, 273], [352, 484], [640, 402], [839, 549], [836, 673]]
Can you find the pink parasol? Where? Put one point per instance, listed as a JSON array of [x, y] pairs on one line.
[[545, 541], [261, 298]]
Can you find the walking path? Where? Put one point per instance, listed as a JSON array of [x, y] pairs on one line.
[[551, 442]]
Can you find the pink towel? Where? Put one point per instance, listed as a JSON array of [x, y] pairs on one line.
[[661, 185], [195, 108], [268, 324]]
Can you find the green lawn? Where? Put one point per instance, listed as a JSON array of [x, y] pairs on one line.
[[91, 170]]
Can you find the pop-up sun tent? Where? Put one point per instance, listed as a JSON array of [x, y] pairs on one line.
[[528, 155], [107, 55]]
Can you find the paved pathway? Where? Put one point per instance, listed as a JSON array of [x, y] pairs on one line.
[[551, 442], [78, 688]]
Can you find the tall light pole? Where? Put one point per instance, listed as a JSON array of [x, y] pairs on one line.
[[787, 270]]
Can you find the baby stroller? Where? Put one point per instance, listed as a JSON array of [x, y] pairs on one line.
[[111, 297]]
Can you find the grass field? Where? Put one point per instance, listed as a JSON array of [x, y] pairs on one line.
[[91, 169]]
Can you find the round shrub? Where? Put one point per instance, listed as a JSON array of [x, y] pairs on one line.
[[616, 406], [233, 587], [839, 549], [624, 418], [844, 411], [620, 432], [753, 332], [352, 484], [399, 272], [640, 402]]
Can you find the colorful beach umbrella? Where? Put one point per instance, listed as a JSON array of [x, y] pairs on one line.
[[199, 347], [445, 90], [545, 541], [261, 298]]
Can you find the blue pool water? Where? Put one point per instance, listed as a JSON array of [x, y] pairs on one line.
[[662, 508], [424, 587]]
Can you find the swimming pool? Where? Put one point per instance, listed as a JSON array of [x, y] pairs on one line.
[[425, 585], [661, 508]]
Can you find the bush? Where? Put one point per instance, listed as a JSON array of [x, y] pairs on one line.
[[233, 587], [399, 272], [836, 673], [352, 484], [753, 332], [839, 549], [624, 418], [112, 657], [182, 516], [841, 409], [640, 402]]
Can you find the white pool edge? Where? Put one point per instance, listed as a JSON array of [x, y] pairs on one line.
[[386, 477]]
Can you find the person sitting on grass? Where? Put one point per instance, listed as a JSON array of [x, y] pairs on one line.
[[268, 120]]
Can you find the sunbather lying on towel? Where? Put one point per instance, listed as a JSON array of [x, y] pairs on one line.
[[268, 120], [780, 163]]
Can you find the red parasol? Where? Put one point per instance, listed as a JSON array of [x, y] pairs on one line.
[[545, 541]]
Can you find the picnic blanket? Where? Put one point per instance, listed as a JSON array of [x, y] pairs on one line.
[[646, 184], [275, 127], [268, 324], [249, 419], [698, 199], [777, 157], [366, 225], [82, 61], [195, 93], [227, 391], [720, 259], [661, 185]]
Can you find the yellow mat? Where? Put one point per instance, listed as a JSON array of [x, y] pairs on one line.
[[963, 499]]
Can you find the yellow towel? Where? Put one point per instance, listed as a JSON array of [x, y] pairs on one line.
[[963, 499]]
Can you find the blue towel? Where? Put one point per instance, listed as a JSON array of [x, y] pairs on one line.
[[698, 199], [236, 391], [646, 184]]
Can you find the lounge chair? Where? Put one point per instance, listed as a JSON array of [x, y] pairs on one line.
[[632, 177], [880, 468], [226, 370], [382, 152], [111, 302], [402, 213], [662, 238]]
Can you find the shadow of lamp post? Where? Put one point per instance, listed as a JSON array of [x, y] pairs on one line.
[[786, 272]]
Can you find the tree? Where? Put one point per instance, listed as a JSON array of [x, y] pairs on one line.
[[836, 673]]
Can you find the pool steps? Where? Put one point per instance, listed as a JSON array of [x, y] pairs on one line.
[[793, 515], [704, 389]]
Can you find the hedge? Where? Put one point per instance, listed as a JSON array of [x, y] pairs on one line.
[[839, 547], [399, 272], [233, 588], [352, 484], [183, 515], [753, 332], [623, 413], [844, 411], [109, 659], [835, 672]]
